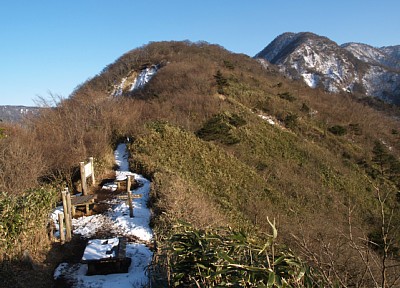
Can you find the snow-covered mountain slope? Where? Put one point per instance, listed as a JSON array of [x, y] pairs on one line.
[[393, 52], [352, 67], [134, 80], [376, 56], [10, 113]]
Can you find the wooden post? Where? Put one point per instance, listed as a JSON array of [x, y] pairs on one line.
[[91, 161], [128, 190], [83, 177], [66, 216], [69, 206], [61, 227]]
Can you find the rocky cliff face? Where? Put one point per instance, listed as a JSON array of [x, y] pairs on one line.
[[351, 67]]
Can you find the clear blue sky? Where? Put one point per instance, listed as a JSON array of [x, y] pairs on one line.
[[52, 45]]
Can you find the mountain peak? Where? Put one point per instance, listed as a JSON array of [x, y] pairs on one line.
[[284, 44], [351, 67]]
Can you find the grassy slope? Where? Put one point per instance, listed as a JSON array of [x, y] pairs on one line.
[[303, 175], [302, 168]]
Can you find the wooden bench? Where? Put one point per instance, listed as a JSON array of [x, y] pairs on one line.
[[84, 200], [118, 263]]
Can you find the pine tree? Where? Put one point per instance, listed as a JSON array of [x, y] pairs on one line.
[[381, 156]]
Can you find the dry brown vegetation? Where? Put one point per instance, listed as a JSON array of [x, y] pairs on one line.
[[304, 175]]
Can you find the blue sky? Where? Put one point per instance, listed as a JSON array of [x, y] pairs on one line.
[[53, 46]]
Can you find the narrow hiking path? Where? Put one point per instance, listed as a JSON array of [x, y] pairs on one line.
[[115, 222]]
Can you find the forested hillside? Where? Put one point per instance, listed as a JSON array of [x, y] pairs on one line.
[[227, 142]]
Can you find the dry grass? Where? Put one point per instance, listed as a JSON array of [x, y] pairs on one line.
[[20, 161], [298, 175]]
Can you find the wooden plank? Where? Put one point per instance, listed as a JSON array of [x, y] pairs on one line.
[[66, 216], [82, 200], [85, 200], [128, 190], [88, 170], [61, 227], [83, 177], [69, 206]]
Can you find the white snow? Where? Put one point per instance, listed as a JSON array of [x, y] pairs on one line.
[[144, 77], [121, 156], [127, 85], [269, 119], [330, 68], [311, 80], [136, 277], [54, 217], [88, 226], [119, 89], [100, 248], [366, 53], [117, 222]]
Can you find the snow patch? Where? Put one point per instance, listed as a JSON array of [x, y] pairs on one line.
[[119, 89], [311, 80], [144, 77], [116, 221], [97, 249], [269, 119], [136, 277], [131, 83]]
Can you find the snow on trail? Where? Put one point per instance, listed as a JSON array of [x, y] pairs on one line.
[[118, 223]]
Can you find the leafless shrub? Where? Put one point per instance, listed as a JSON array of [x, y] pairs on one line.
[[21, 161]]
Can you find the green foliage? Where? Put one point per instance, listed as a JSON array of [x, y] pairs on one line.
[[228, 258], [355, 128], [305, 108], [226, 182], [222, 82], [23, 214], [381, 157], [291, 120], [229, 65], [388, 164], [2, 133], [299, 176], [287, 96], [219, 128], [338, 130]]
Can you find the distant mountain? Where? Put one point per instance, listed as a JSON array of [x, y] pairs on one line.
[[10, 113], [351, 67], [385, 56]]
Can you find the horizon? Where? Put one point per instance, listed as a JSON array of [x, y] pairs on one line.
[[54, 47]]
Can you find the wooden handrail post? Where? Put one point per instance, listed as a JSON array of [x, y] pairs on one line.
[[128, 190], [83, 177], [66, 216], [69, 206], [61, 227]]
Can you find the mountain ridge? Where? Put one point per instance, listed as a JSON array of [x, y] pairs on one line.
[[15, 113], [229, 143], [351, 67]]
